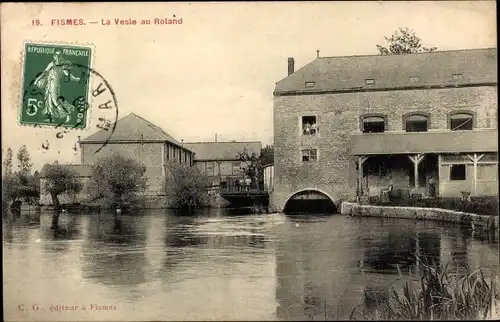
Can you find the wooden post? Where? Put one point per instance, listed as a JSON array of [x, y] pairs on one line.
[[416, 159], [361, 160], [439, 176], [475, 158]]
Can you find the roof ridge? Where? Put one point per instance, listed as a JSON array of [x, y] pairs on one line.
[[421, 53], [155, 127], [224, 142]]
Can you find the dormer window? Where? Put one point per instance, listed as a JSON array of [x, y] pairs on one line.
[[458, 76], [369, 81], [310, 84], [414, 79]]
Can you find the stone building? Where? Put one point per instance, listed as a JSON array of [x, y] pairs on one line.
[[424, 122], [133, 137], [137, 138], [220, 160]]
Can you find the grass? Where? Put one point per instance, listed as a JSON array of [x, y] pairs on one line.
[[438, 294]]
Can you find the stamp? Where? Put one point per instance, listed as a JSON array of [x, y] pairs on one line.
[[61, 89], [53, 88]]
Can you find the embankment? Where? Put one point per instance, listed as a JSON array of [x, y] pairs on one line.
[[444, 215]]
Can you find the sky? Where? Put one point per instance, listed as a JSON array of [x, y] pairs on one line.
[[215, 72]]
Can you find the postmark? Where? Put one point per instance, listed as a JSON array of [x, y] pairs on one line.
[[61, 91]]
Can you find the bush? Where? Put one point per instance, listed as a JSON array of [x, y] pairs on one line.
[[9, 182], [186, 187], [116, 182], [61, 179]]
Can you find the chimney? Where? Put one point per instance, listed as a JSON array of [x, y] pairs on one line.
[[291, 66]]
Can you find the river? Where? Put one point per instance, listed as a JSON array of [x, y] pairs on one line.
[[214, 266]]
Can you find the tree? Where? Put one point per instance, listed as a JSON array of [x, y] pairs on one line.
[[403, 41], [186, 187], [61, 179], [7, 163], [267, 155], [24, 165], [252, 165], [117, 181]]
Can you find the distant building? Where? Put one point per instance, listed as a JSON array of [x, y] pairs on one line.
[[137, 138], [424, 122], [220, 160], [84, 171]]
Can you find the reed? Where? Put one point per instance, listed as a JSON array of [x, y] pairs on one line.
[[439, 294]]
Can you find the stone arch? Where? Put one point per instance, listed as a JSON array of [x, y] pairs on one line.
[[471, 113], [426, 115], [335, 203]]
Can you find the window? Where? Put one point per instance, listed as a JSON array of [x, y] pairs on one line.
[[309, 155], [309, 84], [457, 172], [236, 167], [461, 121], [373, 124], [414, 79], [210, 168], [457, 76], [369, 81], [309, 125], [416, 123]]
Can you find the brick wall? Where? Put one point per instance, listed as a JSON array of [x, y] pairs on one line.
[[338, 116], [149, 154]]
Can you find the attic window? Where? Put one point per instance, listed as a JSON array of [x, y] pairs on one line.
[[310, 84], [369, 81], [458, 76], [414, 79]]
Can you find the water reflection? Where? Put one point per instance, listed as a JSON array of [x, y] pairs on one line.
[[397, 248], [314, 262], [114, 253], [217, 265]]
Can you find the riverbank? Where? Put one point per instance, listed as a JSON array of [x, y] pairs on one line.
[[419, 213]]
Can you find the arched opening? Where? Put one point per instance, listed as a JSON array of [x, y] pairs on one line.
[[310, 201], [416, 122]]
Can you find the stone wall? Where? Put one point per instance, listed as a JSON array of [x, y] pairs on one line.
[[443, 215], [338, 117], [149, 154]]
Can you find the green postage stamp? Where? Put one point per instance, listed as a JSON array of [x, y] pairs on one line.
[[56, 85]]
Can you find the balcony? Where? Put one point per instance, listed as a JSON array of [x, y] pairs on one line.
[[424, 142]]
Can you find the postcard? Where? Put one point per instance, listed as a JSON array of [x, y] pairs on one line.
[[265, 161]]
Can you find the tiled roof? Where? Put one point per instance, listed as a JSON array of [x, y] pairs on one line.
[[477, 66], [82, 170], [130, 128], [222, 150]]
